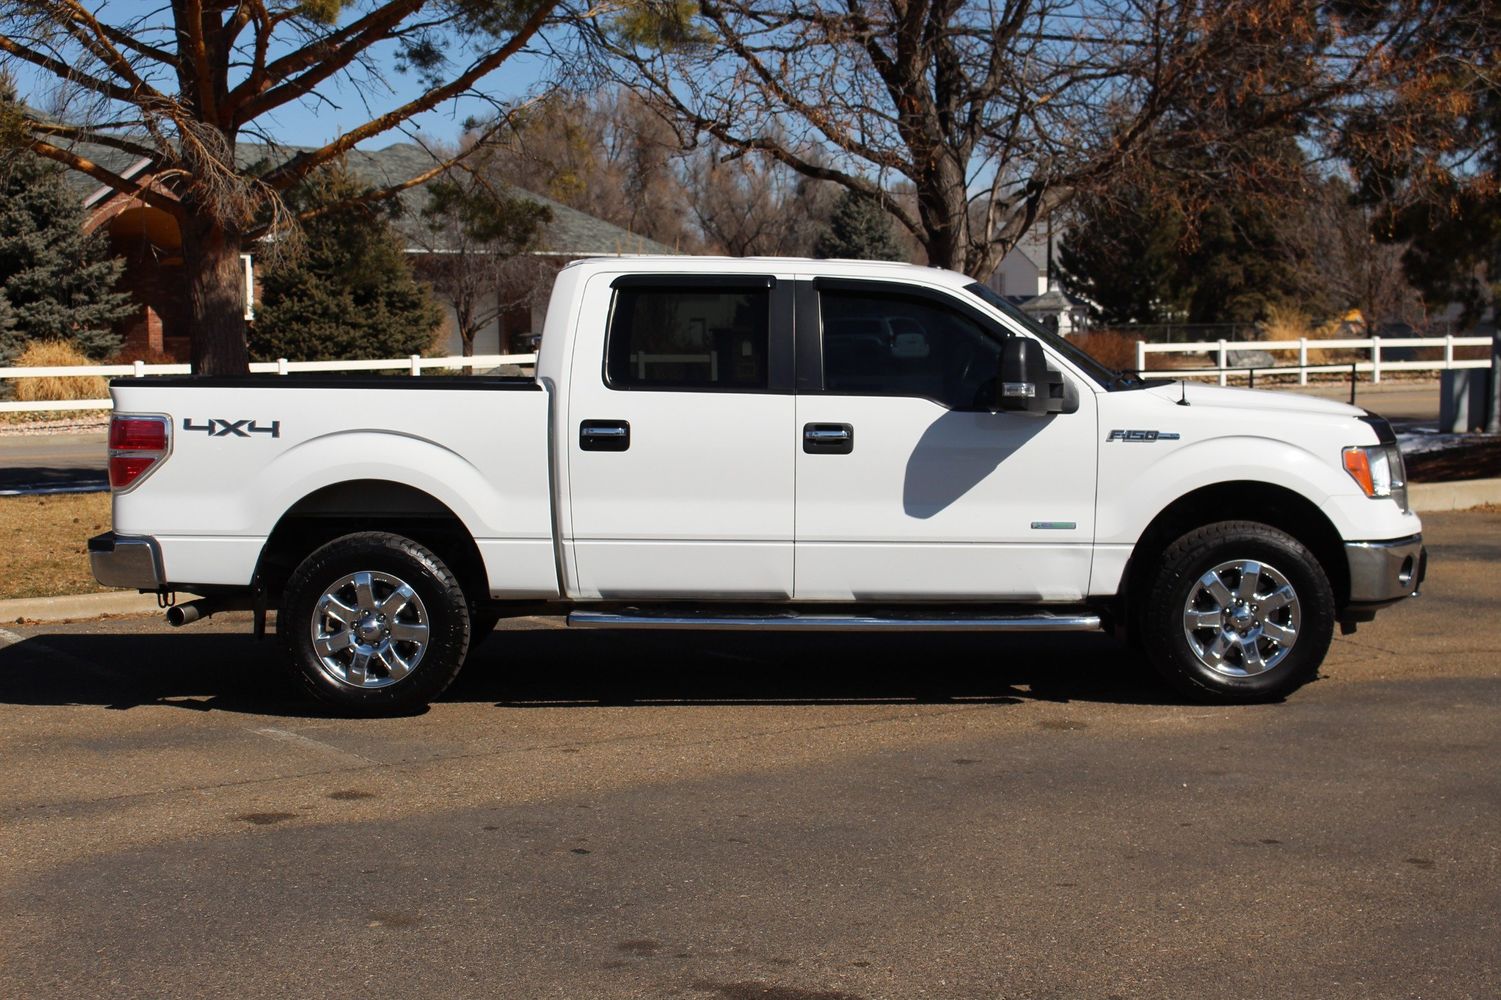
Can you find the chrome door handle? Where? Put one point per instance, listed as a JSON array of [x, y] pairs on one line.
[[604, 435], [828, 439]]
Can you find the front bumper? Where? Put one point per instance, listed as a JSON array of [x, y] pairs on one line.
[[125, 561], [1383, 573]]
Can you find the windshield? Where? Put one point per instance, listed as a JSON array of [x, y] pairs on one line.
[[1108, 378]]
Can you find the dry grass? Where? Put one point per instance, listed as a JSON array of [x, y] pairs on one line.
[[44, 543], [46, 354], [1286, 323], [1109, 347]]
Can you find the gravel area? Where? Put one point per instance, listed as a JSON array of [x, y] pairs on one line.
[[74, 425]]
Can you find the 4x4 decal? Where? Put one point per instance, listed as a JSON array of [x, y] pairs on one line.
[[218, 427]]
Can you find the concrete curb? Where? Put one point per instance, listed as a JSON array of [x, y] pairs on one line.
[[56, 609], [1457, 495]]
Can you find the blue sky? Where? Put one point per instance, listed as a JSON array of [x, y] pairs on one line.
[[313, 124], [346, 103]]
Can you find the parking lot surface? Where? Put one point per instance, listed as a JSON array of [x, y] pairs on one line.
[[759, 816]]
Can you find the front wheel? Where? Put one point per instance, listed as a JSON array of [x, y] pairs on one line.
[[374, 624], [1237, 611]]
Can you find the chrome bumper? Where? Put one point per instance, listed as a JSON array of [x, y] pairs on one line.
[[1385, 572], [119, 561]]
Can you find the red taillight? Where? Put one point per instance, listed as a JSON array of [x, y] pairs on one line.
[[138, 434], [135, 445]]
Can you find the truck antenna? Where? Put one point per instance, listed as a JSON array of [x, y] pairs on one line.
[[1183, 392]]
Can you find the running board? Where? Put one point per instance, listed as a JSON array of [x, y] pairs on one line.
[[793, 621]]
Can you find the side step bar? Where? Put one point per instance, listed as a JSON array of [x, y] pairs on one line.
[[793, 621]]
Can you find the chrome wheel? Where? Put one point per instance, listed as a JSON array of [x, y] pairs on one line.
[[1242, 618], [369, 630]]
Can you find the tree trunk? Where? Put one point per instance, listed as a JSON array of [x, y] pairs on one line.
[[943, 207], [216, 298]]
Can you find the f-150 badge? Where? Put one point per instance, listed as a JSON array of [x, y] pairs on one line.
[[1142, 436], [218, 427]]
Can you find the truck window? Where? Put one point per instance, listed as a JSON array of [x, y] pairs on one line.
[[878, 344], [699, 338]]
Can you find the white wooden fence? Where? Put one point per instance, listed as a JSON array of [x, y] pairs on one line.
[[1373, 346], [413, 365]]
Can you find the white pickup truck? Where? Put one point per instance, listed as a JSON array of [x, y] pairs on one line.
[[762, 444]]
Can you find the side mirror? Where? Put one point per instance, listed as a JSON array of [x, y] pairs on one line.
[[1025, 383]]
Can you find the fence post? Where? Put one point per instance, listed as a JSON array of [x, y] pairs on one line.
[[281, 366], [1493, 416], [140, 368], [1375, 360], [1302, 360], [416, 364], [1141, 356], [1448, 351], [1222, 356]]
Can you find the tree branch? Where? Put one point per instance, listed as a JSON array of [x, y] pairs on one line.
[[65, 72], [108, 177], [190, 27], [322, 58], [289, 173], [81, 134]]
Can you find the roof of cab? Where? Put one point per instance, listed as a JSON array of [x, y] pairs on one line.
[[685, 264]]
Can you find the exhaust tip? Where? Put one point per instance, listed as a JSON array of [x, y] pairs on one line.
[[183, 614]]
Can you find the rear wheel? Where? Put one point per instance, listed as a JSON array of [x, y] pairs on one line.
[[374, 624], [1237, 611]]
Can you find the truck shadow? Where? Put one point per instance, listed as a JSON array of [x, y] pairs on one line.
[[548, 668]]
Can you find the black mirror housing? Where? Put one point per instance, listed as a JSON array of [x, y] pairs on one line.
[[1025, 383]]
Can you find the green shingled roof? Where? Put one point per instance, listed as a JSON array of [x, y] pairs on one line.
[[571, 232]]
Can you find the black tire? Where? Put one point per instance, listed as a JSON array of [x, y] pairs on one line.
[[1268, 670], [482, 622], [440, 606]]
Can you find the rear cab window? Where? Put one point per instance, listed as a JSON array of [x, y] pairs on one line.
[[699, 336]]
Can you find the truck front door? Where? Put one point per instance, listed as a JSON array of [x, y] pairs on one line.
[[909, 486]]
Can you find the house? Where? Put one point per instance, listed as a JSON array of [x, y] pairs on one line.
[[147, 238], [1058, 311], [1023, 272], [1026, 277]]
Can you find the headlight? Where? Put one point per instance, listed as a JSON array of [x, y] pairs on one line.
[[1379, 470]]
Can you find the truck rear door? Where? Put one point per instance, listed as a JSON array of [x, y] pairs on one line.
[[680, 422]]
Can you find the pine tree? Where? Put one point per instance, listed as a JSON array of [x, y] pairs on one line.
[[10, 343], [348, 292], [859, 229], [58, 282]]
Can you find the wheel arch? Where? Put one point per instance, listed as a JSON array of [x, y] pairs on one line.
[[1240, 500], [355, 505]]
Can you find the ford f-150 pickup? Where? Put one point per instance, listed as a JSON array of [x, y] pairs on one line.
[[754, 444]]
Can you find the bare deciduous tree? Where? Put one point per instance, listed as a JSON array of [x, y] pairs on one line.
[[992, 113], [747, 206], [472, 227], [607, 155]]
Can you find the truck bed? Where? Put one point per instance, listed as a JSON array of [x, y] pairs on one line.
[[247, 451]]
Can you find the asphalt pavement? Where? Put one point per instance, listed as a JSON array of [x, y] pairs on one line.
[[758, 816], [30, 463]]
